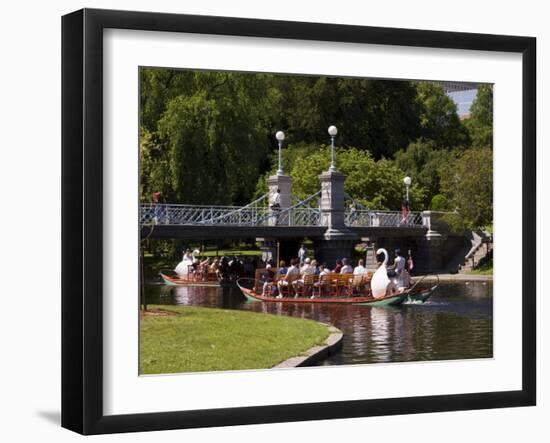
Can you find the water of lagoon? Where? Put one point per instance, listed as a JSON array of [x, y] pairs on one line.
[[455, 323]]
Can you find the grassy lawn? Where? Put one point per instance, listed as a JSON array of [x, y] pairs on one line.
[[486, 269], [197, 339], [231, 252]]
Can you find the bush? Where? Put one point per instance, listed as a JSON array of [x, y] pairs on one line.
[[439, 203]]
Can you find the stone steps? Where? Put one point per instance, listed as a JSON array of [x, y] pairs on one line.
[[483, 250]]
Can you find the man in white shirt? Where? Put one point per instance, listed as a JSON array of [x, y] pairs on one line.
[[291, 274], [323, 270], [360, 268], [307, 269], [399, 262]]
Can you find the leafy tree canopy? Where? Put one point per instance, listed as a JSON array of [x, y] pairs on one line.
[[438, 118], [468, 184], [423, 161], [375, 184], [212, 134], [480, 123]]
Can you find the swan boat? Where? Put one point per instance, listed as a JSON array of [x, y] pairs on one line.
[[171, 278], [383, 291], [419, 296], [253, 296], [181, 276]]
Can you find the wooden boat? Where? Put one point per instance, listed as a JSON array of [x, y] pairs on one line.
[[173, 279], [252, 295], [252, 290]]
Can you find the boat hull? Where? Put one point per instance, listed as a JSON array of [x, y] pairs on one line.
[[421, 296], [385, 301], [178, 281]]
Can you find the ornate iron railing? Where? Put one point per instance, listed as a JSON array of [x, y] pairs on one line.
[[394, 219], [257, 213], [167, 214]]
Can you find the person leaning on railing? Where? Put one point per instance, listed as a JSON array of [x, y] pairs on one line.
[[276, 205]]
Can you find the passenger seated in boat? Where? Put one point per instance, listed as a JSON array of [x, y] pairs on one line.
[[346, 267], [338, 267], [308, 269], [360, 268], [291, 274], [282, 268], [204, 266], [222, 271], [214, 266], [267, 277], [322, 283], [315, 265], [212, 272]]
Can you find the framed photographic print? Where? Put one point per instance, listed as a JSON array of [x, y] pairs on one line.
[[269, 221]]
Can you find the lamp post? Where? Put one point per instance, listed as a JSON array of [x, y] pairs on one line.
[[280, 136], [407, 180], [332, 131]]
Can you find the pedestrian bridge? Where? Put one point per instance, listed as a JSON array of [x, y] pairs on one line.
[[258, 220], [194, 215]]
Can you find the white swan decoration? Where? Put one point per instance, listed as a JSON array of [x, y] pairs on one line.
[[182, 268], [380, 281]]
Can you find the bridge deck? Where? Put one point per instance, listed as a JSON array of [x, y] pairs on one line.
[[214, 232]]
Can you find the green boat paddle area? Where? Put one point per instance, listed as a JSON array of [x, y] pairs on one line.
[[175, 339]]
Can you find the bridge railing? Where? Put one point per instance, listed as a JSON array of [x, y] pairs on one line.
[[168, 214], [370, 218]]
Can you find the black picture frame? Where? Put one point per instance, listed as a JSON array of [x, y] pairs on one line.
[[82, 159]]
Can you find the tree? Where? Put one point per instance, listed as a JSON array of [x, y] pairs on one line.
[[480, 123], [423, 162], [211, 129], [468, 184], [376, 184], [154, 167], [438, 118], [378, 115]]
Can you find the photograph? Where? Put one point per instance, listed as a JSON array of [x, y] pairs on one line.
[[298, 221]]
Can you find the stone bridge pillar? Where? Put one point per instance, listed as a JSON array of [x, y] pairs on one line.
[[338, 241], [283, 183]]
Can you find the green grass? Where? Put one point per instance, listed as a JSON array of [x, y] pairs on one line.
[[231, 252], [485, 269], [206, 339]]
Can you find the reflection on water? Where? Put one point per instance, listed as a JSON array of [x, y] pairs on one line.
[[456, 323]]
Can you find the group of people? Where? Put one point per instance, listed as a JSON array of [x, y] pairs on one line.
[[290, 279], [208, 268]]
